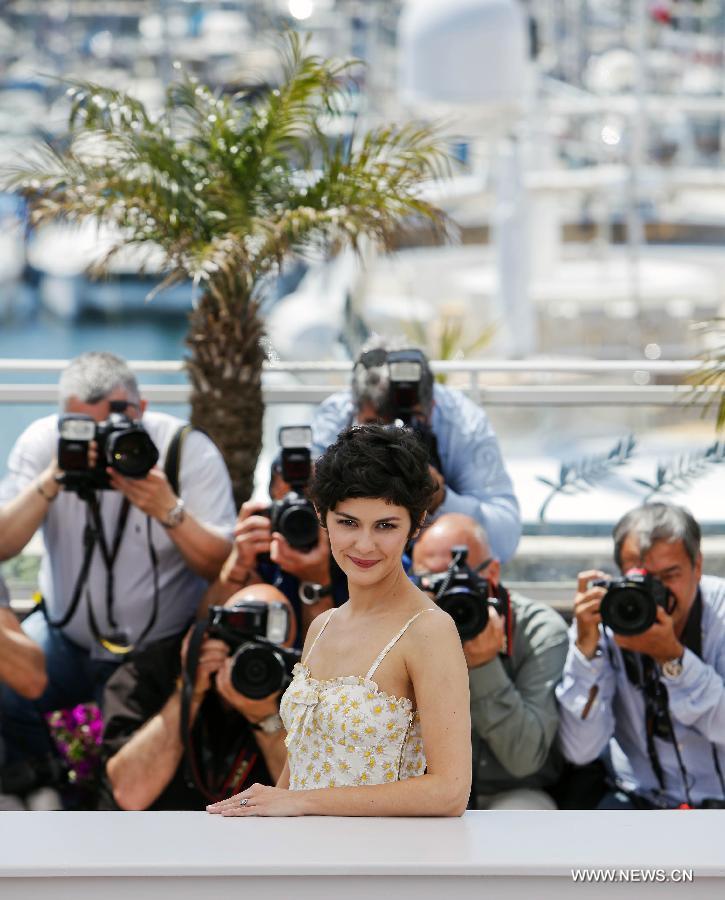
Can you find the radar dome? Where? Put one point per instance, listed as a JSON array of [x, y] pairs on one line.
[[465, 53]]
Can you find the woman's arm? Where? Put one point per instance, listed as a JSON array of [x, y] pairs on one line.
[[283, 781], [439, 675]]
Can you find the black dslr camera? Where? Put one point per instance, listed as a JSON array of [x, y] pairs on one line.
[[630, 605], [123, 444], [466, 597], [253, 630], [294, 516], [405, 369]]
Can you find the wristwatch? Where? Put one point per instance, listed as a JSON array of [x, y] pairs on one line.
[[310, 592], [175, 516], [672, 668], [270, 724]]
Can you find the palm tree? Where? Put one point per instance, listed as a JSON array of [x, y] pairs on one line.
[[227, 187], [709, 380]]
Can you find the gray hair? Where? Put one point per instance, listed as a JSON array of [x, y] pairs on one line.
[[371, 384], [654, 522], [91, 377]]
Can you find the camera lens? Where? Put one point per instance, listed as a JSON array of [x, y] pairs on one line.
[[469, 611], [628, 610], [132, 453], [299, 526], [257, 671]]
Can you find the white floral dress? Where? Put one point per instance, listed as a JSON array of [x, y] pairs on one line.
[[345, 731]]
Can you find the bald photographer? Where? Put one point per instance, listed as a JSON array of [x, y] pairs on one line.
[[196, 718]]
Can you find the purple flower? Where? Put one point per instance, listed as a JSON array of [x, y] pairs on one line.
[[80, 714], [96, 728]]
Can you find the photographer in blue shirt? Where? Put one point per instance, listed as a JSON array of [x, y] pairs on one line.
[[645, 667], [465, 456]]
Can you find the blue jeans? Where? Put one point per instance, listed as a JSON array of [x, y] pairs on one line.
[[73, 678]]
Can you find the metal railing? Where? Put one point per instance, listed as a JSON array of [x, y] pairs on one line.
[[537, 383]]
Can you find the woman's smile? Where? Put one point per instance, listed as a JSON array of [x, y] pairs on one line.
[[363, 563]]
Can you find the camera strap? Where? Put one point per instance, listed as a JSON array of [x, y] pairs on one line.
[[109, 556], [93, 534], [114, 645], [234, 779], [644, 674]]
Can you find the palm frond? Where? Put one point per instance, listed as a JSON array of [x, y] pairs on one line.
[[708, 382]]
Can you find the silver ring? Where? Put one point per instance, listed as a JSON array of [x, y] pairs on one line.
[[244, 801]]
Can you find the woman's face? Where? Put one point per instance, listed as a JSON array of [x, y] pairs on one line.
[[367, 537]]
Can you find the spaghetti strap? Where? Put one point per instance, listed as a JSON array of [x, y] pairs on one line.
[[384, 652], [317, 637]]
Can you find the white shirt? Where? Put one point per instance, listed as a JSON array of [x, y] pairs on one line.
[[206, 490]]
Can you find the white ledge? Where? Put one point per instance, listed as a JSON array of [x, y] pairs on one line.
[[491, 844]]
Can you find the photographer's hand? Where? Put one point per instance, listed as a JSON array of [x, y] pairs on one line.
[[252, 535], [659, 641], [212, 656], [586, 611], [152, 494], [311, 566], [486, 645]]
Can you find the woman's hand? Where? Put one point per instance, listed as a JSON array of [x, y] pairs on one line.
[[261, 801]]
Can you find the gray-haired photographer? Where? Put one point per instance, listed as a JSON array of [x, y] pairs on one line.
[[393, 382], [136, 513], [644, 675]]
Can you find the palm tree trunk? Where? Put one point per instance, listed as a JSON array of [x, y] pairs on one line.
[[225, 370]]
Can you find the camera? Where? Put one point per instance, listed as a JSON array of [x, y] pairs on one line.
[[405, 368], [123, 445], [466, 597], [294, 515], [630, 605], [253, 630]]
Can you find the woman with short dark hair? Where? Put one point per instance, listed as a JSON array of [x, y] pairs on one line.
[[373, 735]]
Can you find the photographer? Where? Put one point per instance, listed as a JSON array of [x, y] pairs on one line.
[[645, 667], [514, 665], [465, 457], [126, 560], [236, 740], [308, 576]]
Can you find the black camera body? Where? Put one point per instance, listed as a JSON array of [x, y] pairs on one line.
[[253, 630], [405, 369], [630, 605], [123, 445], [294, 516], [466, 597]]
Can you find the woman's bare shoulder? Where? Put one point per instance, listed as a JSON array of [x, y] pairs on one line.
[[433, 625], [316, 625]]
